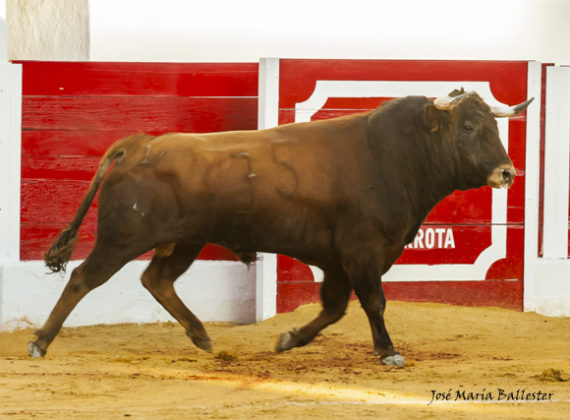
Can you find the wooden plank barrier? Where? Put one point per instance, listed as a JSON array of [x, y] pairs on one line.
[[71, 113]]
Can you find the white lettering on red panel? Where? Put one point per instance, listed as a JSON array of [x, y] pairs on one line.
[[433, 238]]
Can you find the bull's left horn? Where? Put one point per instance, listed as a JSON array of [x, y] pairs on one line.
[[509, 111], [447, 102]]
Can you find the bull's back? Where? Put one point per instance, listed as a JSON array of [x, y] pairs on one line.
[[299, 162]]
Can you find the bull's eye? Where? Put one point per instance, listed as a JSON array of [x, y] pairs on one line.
[[467, 128]]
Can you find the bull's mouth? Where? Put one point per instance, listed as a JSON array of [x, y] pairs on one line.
[[502, 177]]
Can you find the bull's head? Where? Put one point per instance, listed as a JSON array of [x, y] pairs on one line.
[[482, 159]]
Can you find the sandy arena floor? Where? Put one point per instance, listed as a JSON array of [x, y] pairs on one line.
[[153, 371]]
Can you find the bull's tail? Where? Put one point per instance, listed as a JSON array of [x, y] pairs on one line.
[[62, 247]]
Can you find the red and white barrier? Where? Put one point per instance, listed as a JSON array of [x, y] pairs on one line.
[[61, 123], [476, 248], [470, 250]]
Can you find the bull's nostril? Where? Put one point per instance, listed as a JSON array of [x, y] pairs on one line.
[[507, 174]]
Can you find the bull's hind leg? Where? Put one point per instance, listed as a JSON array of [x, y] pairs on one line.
[[97, 268], [335, 294], [159, 279]]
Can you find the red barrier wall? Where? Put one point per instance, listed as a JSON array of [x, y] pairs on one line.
[[71, 113]]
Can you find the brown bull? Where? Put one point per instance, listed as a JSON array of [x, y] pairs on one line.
[[345, 194]]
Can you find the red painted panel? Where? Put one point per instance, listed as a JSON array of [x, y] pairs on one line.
[[138, 113], [297, 77], [292, 295], [511, 267], [172, 79], [72, 112], [37, 238], [81, 168], [501, 293], [467, 214], [51, 144], [45, 201], [291, 270]]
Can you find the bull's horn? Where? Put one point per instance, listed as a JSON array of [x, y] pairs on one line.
[[445, 103], [509, 111]]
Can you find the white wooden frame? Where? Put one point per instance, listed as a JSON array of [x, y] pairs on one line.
[[547, 278], [268, 116], [10, 161], [326, 89]]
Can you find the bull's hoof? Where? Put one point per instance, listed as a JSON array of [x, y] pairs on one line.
[[287, 340], [395, 359], [35, 351], [203, 343]]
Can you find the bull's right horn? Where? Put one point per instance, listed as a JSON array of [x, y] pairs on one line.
[[509, 111]]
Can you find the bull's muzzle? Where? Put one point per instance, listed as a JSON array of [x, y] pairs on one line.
[[502, 177]]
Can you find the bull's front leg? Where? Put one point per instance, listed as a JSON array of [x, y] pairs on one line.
[[364, 274], [373, 302]]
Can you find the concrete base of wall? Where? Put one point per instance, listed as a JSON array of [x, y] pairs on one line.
[[551, 288], [213, 290]]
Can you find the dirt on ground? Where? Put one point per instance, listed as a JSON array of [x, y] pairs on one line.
[[472, 362]]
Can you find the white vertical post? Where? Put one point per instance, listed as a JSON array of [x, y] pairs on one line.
[[268, 108], [268, 116], [546, 285], [532, 184], [556, 163], [10, 157]]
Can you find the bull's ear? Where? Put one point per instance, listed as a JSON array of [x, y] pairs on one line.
[[433, 117]]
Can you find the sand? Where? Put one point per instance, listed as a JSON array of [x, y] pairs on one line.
[[470, 360]]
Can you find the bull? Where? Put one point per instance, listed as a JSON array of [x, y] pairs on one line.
[[345, 194]]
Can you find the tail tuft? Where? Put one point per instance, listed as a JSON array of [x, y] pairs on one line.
[[61, 249], [246, 257], [57, 257]]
